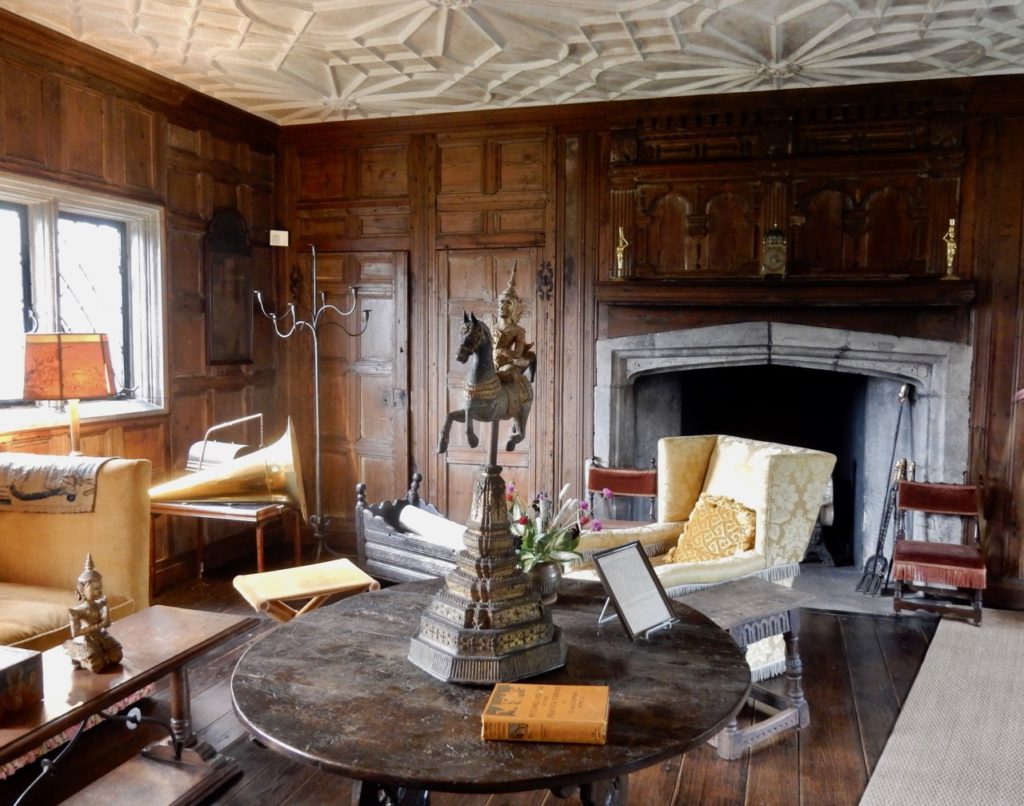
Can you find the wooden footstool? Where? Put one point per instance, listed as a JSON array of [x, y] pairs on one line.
[[268, 592], [752, 609]]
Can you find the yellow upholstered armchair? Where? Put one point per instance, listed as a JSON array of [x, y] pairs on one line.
[[728, 507]]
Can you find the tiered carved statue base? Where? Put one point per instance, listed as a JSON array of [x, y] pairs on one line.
[[487, 625]]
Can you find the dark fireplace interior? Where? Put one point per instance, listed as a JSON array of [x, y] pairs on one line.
[[797, 406]]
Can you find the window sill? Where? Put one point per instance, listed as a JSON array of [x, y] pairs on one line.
[[26, 418]]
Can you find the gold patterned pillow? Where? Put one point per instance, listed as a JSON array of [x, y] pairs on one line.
[[717, 527]]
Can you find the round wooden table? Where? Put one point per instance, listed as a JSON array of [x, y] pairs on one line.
[[335, 689]]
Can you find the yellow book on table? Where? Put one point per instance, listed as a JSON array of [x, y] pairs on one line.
[[532, 712]]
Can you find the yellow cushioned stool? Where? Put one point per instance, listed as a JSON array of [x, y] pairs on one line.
[[268, 592]]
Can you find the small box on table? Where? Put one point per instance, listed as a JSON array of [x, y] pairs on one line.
[[21, 679], [531, 712]]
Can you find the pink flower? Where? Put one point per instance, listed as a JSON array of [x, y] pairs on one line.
[[606, 493], [596, 526], [583, 505], [585, 520]]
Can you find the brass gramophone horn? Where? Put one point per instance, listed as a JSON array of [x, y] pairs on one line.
[[272, 474]]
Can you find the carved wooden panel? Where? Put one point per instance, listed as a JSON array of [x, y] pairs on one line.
[[139, 133], [486, 164], [521, 163], [519, 220], [461, 222], [463, 167], [354, 173], [187, 347], [185, 254], [146, 442], [183, 139], [229, 152], [85, 132], [260, 203], [697, 227], [28, 115], [321, 174], [184, 192], [189, 421], [262, 165], [336, 227], [860, 225], [858, 191], [383, 172], [461, 225], [224, 193]]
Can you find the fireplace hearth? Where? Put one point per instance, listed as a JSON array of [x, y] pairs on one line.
[[824, 388]]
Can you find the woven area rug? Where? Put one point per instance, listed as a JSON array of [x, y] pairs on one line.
[[958, 738]]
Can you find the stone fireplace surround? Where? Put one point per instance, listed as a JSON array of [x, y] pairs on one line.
[[933, 433]]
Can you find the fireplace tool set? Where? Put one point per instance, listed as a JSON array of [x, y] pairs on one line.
[[876, 567]]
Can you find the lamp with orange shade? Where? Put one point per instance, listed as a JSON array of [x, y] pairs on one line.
[[71, 367]]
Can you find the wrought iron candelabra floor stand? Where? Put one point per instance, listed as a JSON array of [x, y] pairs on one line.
[[287, 325]]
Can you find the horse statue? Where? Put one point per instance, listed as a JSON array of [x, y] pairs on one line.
[[488, 398]]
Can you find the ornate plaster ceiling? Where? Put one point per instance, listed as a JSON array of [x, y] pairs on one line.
[[306, 61]]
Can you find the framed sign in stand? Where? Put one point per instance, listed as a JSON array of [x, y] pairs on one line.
[[633, 590]]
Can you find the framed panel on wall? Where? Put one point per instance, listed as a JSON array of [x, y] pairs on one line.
[[229, 301]]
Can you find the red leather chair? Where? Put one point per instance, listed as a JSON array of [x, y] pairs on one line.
[[947, 578], [621, 481]]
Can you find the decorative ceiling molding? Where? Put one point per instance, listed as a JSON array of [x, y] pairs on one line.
[[307, 61]]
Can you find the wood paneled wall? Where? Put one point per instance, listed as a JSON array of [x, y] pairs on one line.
[[428, 215], [71, 114], [863, 181]]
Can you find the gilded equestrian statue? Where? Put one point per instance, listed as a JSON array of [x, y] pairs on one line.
[[488, 397]]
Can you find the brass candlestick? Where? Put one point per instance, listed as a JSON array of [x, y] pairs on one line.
[[950, 239], [620, 256]]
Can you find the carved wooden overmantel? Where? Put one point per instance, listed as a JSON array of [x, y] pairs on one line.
[[862, 192]]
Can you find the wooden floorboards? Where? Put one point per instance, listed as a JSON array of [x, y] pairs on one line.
[[858, 670]]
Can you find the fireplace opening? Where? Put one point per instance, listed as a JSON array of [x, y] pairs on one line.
[[827, 388], [793, 405]]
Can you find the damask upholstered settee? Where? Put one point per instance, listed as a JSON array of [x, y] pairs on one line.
[[43, 553]]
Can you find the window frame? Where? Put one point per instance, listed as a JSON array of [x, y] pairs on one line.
[[44, 202]]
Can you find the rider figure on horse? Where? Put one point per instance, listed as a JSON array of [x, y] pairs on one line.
[[513, 355]]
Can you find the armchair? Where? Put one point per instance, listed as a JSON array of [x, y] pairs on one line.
[[633, 484], [781, 484]]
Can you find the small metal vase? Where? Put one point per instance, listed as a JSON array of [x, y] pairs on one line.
[[544, 578]]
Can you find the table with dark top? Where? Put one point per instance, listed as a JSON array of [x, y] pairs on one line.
[[335, 689], [157, 642]]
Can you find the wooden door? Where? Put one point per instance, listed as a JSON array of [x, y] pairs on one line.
[[364, 420], [471, 280]]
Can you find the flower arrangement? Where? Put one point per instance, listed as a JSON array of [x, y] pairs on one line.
[[545, 537]]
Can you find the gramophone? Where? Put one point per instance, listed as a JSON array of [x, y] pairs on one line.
[[270, 475]]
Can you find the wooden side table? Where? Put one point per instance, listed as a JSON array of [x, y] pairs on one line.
[[158, 641], [259, 515], [752, 609]]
